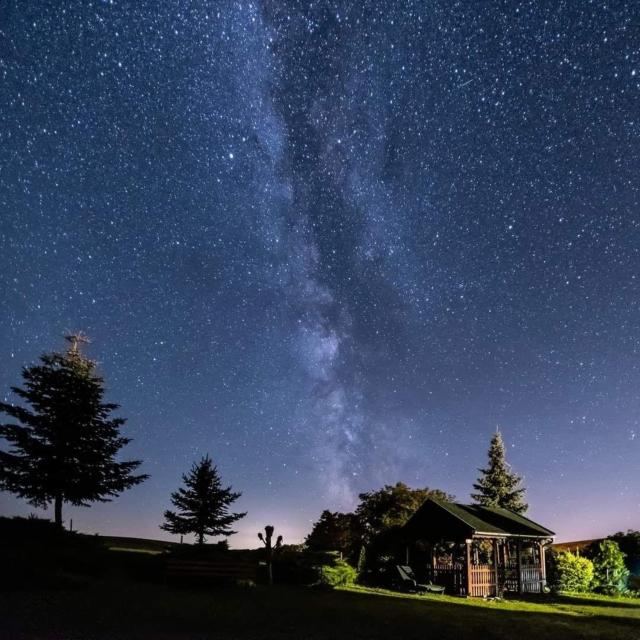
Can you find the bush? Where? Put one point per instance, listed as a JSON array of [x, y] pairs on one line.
[[610, 572], [339, 574], [295, 567], [572, 573]]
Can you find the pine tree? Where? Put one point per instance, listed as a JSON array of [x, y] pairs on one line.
[[62, 450], [498, 486], [203, 504]]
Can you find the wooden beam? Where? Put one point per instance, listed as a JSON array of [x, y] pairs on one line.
[[519, 555], [468, 563], [495, 566], [543, 567]]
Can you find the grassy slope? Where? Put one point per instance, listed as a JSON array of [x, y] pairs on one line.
[[127, 609]]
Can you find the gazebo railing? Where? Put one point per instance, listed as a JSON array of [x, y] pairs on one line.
[[483, 580], [452, 576], [531, 576]]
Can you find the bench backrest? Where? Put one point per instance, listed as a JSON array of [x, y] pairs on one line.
[[213, 568]]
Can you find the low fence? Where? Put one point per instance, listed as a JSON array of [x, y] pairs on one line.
[[451, 576]]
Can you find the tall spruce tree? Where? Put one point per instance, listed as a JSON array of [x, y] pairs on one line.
[[203, 504], [498, 486], [63, 448]]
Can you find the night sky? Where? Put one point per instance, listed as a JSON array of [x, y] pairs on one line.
[[334, 244]]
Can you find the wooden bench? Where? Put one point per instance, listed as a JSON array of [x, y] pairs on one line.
[[211, 570]]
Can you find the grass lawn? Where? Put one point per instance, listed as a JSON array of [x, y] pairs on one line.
[[119, 609]]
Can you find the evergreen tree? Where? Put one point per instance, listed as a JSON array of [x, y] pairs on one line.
[[610, 572], [203, 504], [498, 486], [63, 448]]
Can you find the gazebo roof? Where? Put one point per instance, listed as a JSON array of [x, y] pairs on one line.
[[438, 519]]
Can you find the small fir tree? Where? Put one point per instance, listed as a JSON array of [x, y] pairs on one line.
[[610, 572], [202, 504], [498, 486], [63, 448]]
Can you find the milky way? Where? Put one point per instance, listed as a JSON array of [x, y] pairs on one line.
[[334, 244]]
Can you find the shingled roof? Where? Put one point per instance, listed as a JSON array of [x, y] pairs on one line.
[[438, 519]]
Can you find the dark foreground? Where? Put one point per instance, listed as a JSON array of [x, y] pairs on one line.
[[117, 608]]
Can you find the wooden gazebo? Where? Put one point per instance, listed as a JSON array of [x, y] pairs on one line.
[[476, 551]]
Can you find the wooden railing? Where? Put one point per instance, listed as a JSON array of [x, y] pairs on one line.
[[531, 578], [450, 576], [483, 580]]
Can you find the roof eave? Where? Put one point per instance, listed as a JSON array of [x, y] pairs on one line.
[[486, 534]]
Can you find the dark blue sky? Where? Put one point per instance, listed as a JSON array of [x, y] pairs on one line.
[[334, 244]]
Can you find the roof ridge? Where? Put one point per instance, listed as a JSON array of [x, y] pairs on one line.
[[519, 515], [475, 512]]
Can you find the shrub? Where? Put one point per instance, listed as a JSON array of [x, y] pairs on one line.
[[610, 572], [573, 573], [339, 574], [292, 566]]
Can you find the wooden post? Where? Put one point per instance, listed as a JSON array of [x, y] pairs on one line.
[[543, 568], [519, 555], [495, 566], [468, 563]]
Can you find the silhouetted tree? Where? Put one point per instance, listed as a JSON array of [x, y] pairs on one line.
[[498, 486], [63, 448], [391, 507], [203, 504], [335, 531], [375, 523]]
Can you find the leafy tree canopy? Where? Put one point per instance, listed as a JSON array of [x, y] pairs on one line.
[[334, 531], [629, 544], [376, 517], [392, 506]]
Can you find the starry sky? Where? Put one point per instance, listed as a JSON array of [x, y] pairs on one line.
[[334, 244]]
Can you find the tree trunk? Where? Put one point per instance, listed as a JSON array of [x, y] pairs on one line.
[[200, 537], [58, 511]]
